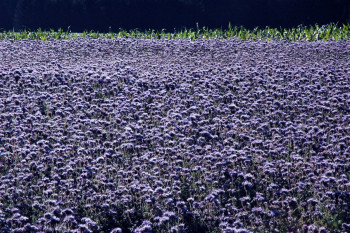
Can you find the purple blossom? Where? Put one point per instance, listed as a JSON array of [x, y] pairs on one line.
[[174, 135]]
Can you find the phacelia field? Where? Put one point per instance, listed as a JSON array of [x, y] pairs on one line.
[[134, 135]]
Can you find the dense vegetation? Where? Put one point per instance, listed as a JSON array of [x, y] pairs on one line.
[[99, 15], [135, 135], [312, 33]]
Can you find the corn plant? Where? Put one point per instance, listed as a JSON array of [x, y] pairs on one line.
[[312, 33]]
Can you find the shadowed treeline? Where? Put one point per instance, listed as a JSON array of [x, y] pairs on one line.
[[101, 15]]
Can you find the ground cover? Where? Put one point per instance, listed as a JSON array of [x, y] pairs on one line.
[[148, 135]]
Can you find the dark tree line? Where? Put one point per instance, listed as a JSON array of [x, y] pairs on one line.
[[101, 15]]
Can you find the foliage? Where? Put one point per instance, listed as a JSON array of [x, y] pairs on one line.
[[311, 33], [99, 15]]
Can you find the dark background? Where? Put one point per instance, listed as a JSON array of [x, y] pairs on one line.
[[100, 15]]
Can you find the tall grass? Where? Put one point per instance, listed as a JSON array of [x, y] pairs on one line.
[[307, 33]]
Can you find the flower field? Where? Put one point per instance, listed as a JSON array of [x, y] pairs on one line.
[[137, 135]]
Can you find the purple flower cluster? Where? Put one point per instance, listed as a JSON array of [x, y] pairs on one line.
[[131, 135]]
